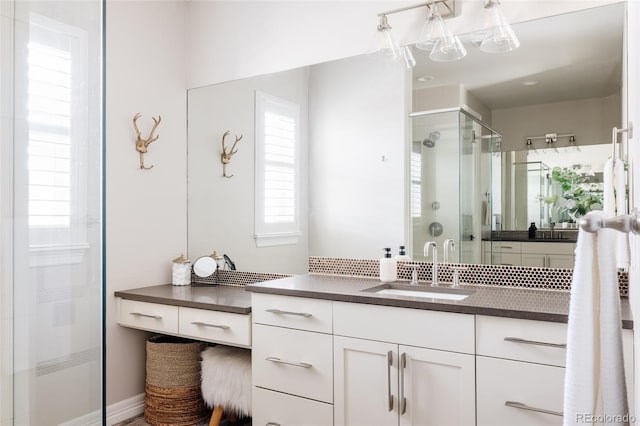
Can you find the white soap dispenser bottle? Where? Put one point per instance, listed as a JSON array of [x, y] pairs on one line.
[[402, 255], [388, 267]]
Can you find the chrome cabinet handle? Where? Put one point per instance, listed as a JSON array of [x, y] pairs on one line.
[[204, 324], [272, 424], [389, 364], [402, 399], [522, 406], [295, 364], [534, 342], [278, 311], [140, 314]]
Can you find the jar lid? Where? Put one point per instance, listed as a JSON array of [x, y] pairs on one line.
[[181, 259]]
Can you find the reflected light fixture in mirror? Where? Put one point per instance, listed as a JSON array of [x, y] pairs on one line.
[[496, 35]]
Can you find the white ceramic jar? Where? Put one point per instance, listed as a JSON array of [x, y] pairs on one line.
[[181, 271]]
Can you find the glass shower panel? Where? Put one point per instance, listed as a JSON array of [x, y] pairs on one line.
[[56, 216], [434, 180], [470, 208]]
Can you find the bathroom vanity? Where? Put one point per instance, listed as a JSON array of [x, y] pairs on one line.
[[331, 350], [327, 352]]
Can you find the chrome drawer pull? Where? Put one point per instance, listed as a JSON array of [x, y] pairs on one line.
[[402, 399], [272, 424], [534, 342], [139, 314], [295, 364], [522, 406], [278, 311], [389, 364], [204, 324]]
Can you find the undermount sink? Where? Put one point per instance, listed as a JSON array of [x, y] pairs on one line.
[[423, 291]]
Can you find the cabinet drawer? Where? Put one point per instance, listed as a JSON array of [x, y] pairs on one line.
[[293, 361], [524, 385], [502, 258], [429, 329], [549, 248], [215, 326], [148, 316], [292, 312], [274, 408], [523, 340], [506, 246]]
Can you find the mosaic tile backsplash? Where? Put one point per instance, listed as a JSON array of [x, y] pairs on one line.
[[235, 278], [497, 275]]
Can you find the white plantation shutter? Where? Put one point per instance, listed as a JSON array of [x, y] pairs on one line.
[[277, 188], [49, 116], [57, 128], [416, 185]]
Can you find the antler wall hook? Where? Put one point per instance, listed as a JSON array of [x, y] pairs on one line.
[[225, 157], [142, 144]]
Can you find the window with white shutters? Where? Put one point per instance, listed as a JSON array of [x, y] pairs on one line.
[[277, 187]]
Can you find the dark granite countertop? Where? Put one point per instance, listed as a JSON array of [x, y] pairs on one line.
[[512, 302], [213, 297]]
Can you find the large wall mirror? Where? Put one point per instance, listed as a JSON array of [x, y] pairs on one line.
[[358, 144]]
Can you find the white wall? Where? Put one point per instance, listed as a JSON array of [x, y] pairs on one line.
[[590, 120], [221, 210], [356, 170], [228, 40], [145, 209]]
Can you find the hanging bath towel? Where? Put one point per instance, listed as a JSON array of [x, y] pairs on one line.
[[594, 379]]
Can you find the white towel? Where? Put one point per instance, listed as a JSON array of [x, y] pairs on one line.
[[594, 377], [615, 203]]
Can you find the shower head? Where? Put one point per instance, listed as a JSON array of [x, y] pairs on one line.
[[430, 142]]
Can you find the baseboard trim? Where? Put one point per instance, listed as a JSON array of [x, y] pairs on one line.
[[91, 419], [125, 409]]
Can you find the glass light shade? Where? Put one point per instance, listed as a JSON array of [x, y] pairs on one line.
[[496, 35], [384, 42], [448, 49], [434, 29], [407, 56]]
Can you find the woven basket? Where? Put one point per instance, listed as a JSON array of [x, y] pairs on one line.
[[172, 388]]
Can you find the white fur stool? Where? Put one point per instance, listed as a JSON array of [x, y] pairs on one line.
[[226, 381]]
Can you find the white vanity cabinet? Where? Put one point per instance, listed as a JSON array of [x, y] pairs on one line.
[[292, 361], [520, 371], [548, 255], [397, 366]]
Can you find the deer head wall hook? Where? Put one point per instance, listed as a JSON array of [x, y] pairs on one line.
[[142, 144], [225, 157]]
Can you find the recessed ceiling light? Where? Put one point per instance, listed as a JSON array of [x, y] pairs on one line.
[[530, 82], [425, 78]]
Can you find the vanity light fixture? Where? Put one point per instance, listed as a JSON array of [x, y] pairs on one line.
[[496, 35], [550, 139]]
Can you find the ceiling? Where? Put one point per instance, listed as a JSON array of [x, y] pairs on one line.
[[572, 56]]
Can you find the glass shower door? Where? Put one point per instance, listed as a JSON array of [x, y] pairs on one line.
[[52, 178]]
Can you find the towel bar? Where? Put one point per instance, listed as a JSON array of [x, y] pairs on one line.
[[623, 223]]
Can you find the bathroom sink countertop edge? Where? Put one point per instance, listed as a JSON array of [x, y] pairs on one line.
[[512, 302]]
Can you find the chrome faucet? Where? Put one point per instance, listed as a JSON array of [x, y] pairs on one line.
[[449, 246], [427, 246]]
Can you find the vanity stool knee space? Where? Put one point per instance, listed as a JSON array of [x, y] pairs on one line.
[[226, 381]]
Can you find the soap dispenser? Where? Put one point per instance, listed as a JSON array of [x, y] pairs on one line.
[[388, 267], [532, 230], [402, 255]]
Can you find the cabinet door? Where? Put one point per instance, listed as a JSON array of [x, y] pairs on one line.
[[436, 387], [365, 382], [531, 259], [560, 261]]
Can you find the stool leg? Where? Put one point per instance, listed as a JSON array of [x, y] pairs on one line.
[[216, 416]]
